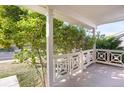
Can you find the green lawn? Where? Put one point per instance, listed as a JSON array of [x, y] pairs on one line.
[[26, 75]]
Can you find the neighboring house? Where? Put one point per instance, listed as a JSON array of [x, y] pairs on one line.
[[120, 35], [6, 56], [123, 41]]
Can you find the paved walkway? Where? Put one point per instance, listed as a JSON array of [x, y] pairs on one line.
[[97, 75], [6, 55], [9, 82], [7, 61]]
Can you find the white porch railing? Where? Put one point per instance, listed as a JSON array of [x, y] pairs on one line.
[[68, 64], [111, 57], [87, 58]]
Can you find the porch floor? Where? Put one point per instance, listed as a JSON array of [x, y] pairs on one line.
[[96, 75]]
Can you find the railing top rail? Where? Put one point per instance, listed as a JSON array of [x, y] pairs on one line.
[[87, 50], [70, 54], [121, 51], [66, 55]]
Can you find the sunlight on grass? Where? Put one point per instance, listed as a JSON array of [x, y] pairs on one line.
[[26, 75]]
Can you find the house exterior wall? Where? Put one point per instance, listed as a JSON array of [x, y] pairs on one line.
[[122, 44]]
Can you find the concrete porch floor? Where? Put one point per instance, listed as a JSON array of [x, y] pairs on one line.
[[96, 75]]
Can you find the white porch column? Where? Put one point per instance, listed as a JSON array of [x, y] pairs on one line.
[[49, 44], [94, 45], [94, 35]]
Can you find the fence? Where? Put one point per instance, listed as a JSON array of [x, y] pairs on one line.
[[68, 64]]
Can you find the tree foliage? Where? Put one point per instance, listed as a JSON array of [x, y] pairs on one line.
[[27, 30], [109, 42]]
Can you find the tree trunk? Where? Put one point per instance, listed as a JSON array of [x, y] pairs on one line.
[[42, 65]]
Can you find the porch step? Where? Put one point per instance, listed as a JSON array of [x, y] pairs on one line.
[[10, 81]]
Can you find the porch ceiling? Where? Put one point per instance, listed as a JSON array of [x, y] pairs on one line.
[[89, 16]]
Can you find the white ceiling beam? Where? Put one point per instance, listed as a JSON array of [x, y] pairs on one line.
[[78, 19], [75, 19], [70, 15], [113, 16], [71, 20], [36, 8]]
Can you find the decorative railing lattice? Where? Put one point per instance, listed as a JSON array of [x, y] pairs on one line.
[[112, 57], [65, 65], [87, 58], [68, 64]]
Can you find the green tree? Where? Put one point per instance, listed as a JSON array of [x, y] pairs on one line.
[[27, 30], [109, 42], [68, 37]]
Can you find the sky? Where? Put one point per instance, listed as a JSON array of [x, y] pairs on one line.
[[111, 28]]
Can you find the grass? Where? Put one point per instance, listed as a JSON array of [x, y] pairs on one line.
[[26, 75]]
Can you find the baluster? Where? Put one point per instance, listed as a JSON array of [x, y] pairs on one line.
[[108, 56]]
